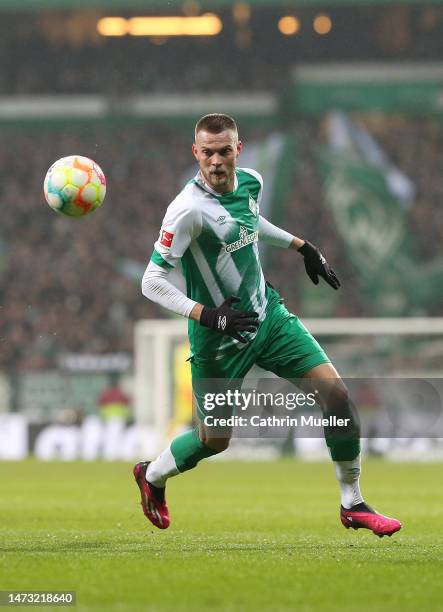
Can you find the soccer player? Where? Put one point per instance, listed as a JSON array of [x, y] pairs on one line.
[[237, 319]]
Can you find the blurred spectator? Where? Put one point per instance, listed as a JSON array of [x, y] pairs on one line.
[[114, 403]]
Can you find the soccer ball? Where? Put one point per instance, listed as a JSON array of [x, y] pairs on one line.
[[75, 186]]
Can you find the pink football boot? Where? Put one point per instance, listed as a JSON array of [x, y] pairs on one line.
[[152, 499], [362, 516]]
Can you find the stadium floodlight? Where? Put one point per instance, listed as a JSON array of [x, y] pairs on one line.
[[208, 24], [322, 24], [112, 26], [289, 25]]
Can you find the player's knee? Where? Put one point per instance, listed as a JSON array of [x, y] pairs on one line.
[[338, 393], [339, 400], [340, 405], [218, 444]]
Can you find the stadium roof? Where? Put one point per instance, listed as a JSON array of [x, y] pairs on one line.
[[168, 5]]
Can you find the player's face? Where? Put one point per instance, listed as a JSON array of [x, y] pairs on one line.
[[217, 155]]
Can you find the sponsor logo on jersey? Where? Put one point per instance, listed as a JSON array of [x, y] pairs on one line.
[[166, 238], [253, 206], [245, 239], [221, 220]]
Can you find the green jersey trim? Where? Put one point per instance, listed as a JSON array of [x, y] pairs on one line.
[[158, 259]]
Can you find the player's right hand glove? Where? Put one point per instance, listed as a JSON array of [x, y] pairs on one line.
[[229, 321], [316, 265]]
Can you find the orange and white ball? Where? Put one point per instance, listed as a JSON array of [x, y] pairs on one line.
[[75, 186]]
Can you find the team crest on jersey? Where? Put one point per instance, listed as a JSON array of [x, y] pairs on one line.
[[245, 239], [253, 206]]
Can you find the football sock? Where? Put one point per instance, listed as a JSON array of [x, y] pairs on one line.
[[161, 469], [183, 454], [348, 476]]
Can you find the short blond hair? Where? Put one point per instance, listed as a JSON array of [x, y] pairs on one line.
[[215, 123]]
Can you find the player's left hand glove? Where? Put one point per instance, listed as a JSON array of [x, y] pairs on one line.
[[316, 265]]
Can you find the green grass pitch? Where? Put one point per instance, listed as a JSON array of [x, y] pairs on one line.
[[244, 536]]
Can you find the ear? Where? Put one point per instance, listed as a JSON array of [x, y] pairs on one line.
[[239, 147], [195, 151]]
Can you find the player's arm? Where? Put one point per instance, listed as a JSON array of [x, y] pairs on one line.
[[315, 263], [179, 228], [157, 287]]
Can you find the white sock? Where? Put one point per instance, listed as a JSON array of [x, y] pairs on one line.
[[348, 476], [162, 468]]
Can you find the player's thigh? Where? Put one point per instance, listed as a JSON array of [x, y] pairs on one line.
[[322, 372], [300, 358], [291, 351], [294, 354]]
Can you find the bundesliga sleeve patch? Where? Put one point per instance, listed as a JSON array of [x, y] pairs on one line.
[[166, 238]]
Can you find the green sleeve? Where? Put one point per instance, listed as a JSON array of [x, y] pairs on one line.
[[158, 259]]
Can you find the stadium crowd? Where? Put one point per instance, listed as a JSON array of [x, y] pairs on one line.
[[68, 284], [72, 285], [151, 70], [415, 146]]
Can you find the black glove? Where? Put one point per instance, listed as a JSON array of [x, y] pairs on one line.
[[229, 321], [316, 265]]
